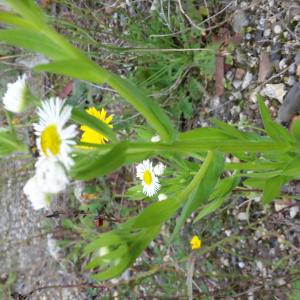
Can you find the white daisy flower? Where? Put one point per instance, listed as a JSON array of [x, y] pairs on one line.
[[17, 97], [145, 172], [159, 169], [38, 198], [53, 140], [51, 177]]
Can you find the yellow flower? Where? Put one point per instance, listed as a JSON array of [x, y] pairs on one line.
[[195, 242], [90, 135]]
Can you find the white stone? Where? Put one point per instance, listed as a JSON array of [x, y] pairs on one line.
[[241, 264], [228, 232], [267, 32], [237, 83], [282, 64], [225, 261], [277, 29], [280, 205], [294, 211], [275, 91], [242, 216], [260, 265], [247, 80]]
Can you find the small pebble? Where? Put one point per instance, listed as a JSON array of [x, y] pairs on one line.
[[228, 232], [294, 211], [282, 64], [292, 69], [242, 216], [267, 32], [277, 29], [291, 80], [248, 36], [275, 91], [247, 80], [241, 264], [237, 83]]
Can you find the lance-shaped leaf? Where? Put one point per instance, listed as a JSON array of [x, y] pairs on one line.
[[29, 10], [83, 118], [12, 19], [202, 192], [9, 143], [33, 40], [275, 131], [87, 167], [272, 188], [218, 196]]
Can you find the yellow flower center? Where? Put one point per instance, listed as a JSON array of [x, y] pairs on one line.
[[147, 177], [50, 140]]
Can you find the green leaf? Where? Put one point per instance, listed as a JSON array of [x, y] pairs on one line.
[[12, 19], [209, 208], [295, 129], [206, 60], [149, 108], [202, 192], [277, 132], [222, 190], [88, 168], [186, 107], [230, 146], [32, 40], [293, 168], [224, 187], [114, 271], [204, 132], [118, 253], [81, 69], [257, 183], [135, 193], [106, 239], [9, 143], [156, 213], [228, 129], [272, 189], [29, 10], [83, 118], [140, 242]]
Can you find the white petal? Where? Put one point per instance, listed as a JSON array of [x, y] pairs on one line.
[[37, 198], [51, 177], [159, 169], [15, 99]]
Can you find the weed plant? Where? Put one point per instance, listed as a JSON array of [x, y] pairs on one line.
[[197, 180]]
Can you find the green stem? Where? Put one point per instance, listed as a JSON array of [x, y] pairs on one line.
[[197, 178]]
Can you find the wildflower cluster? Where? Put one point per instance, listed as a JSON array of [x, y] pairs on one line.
[[54, 142]]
